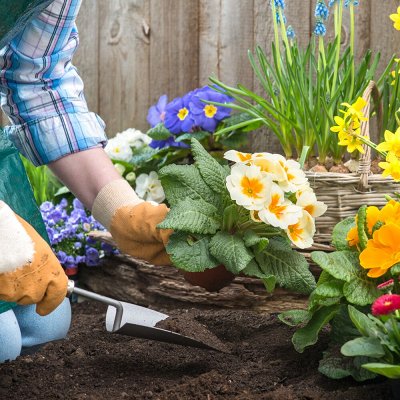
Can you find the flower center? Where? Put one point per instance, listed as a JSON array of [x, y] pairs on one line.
[[387, 303], [244, 156], [274, 207], [183, 113], [295, 231], [310, 209], [251, 187], [210, 110]]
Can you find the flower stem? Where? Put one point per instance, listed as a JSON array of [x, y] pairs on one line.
[[352, 50], [338, 35]]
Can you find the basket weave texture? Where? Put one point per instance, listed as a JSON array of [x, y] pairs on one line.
[[345, 193]]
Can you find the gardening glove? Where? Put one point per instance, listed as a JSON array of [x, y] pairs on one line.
[[133, 222], [29, 271]]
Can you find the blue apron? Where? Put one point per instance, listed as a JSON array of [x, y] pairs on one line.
[[16, 191]]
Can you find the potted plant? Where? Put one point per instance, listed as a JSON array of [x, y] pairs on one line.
[[244, 217]]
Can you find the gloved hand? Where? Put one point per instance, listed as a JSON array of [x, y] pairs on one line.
[[133, 222], [30, 273]]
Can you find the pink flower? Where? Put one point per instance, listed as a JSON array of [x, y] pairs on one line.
[[386, 304]]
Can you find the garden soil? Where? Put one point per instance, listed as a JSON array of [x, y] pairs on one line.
[[92, 364]]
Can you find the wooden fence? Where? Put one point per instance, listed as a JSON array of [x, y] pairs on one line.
[[132, 51]]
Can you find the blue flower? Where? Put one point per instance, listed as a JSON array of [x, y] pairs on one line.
[[156, 112], [92, 257], [207, 116], [331, 2], [319, 29], [78, 205], [62, 256], [177, 115], [279, 3], [46, 207], [170, 142], [321, 10], [278, 18], [348, 2], [290, 32]]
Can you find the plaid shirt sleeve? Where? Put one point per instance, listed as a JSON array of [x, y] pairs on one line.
[[41, 91]]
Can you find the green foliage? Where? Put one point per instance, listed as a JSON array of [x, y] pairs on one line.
[[388, 370], [210, 229], [44, 184], [193, 216], [339, 234], [191, 252]]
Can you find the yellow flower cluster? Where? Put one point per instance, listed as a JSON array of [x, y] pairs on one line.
[[396, 19], [383, 248], [348, 127]]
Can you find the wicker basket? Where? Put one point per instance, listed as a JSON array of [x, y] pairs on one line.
[[345, 193]]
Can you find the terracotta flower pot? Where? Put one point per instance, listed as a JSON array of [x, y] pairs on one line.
[[211, 279]]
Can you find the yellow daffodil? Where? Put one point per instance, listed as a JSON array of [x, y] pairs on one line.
[[352, 141], [391, 166], [396, 19], [382, 251], [355, 110], [279, 211], [391, 143]]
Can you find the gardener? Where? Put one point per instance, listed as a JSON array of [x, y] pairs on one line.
[[42, 94]]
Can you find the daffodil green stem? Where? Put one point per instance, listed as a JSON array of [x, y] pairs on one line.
[[285, 38], [338, 32], [372, 145], [352, 50]]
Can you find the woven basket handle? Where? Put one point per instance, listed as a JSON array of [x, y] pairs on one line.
[[364, 168]]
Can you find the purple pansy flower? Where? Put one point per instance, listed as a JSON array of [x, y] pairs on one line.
[[178, 118], [156, 112], [207, 116]]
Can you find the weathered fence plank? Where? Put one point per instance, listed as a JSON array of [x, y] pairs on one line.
[[124, 63], [174, 48]]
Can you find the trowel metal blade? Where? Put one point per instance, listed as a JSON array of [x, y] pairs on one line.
[[140, 322]]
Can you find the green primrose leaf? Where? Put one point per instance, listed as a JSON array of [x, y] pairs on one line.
[[340, 232], [251, 239], [288, 266], [308, 335], [363, 346], [395, 270], [336, 366], [388, 370], [193, 216], [159, 132], [295, 317], [212, 172], [254, 270], [231, 251], [231, 216], [190, 255], [200, 135], [360, 290], [333, 288], [365, 325], [185, 181], [341, 265]]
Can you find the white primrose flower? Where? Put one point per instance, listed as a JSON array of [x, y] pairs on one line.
[[295, 176], [307, 200], [135, 138], [237, 156], [301, 234], [248, 186], [118, 149], [270, 163], [279, 211], [148, 187]]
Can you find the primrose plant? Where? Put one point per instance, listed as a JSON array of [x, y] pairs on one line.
[[366, 261], [245, 217]]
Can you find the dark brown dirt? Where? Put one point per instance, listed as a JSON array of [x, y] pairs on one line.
[[186, 325], [92, 364]]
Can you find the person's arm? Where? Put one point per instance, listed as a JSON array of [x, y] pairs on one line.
[[42, 94]]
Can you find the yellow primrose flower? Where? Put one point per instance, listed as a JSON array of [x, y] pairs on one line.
[[396, 19], [352, 141], [391, 143], [391, 167]]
